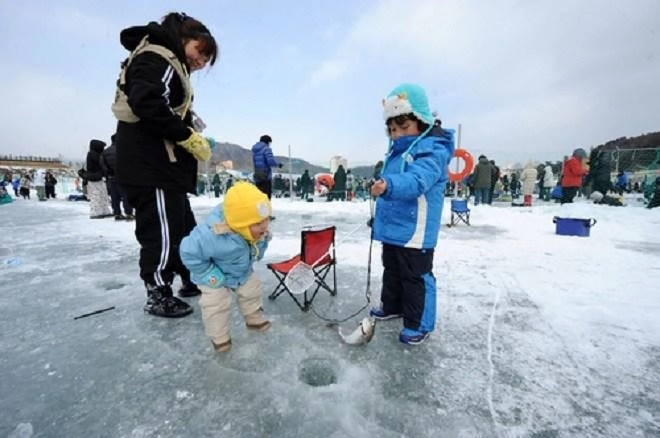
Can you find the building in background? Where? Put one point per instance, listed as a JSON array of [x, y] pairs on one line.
[[336, 161]]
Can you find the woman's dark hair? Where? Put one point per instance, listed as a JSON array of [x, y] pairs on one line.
[[188, 28]]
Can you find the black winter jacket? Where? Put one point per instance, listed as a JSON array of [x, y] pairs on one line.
[[110, 160], [153, 89], [94, 170]]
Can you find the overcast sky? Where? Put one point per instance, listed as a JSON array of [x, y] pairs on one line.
[[526, 80]]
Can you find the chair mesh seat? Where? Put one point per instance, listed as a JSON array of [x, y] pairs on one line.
[[317, 249]]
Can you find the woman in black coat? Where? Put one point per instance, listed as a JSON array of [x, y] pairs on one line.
[[157, 148]]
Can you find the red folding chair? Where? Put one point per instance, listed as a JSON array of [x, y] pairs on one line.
[[317, 249]]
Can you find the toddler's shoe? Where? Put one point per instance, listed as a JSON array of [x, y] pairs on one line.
[[256, 321], [379, 314], [222, 347], [412, 337]]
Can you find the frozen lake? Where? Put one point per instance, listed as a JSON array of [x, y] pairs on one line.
[[538, 335]]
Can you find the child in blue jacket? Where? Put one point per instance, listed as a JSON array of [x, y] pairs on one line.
[[410, 196], [219, 254]]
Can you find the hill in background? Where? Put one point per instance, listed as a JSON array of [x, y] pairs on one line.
[[633, 154], [626, 153], [242, 160]]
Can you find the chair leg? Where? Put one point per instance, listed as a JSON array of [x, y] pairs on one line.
[[457, 218], [279, 289], [304, 306], [333, 292], [275, 294]]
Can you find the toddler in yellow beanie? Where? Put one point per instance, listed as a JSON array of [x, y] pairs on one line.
[[220, 253]]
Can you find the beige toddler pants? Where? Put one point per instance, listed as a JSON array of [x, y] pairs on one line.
[[216, 304]]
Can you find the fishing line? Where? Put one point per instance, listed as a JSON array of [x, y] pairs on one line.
[[367, 291]]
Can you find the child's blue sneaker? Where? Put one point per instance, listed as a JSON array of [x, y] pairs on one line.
[[379, 314], [412, 337]]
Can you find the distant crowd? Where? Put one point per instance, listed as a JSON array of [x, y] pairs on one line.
[[41, 180], [579, 176]]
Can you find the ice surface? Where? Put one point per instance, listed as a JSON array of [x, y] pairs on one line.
[[538, 335]]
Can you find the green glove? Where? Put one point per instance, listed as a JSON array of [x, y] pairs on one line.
[[197, 145]]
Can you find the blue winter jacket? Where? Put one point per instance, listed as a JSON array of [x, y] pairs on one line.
[[212, 249], [263, 158], [622, 180], [408, 213]]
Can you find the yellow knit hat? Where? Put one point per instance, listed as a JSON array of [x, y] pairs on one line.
[[245, 205]]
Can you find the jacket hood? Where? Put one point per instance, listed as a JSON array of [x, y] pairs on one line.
[[259, 146], [131, 37], [96, 146]]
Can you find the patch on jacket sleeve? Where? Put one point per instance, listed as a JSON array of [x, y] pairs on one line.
[[220, 228]]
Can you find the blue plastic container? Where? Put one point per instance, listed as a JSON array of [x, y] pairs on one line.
[[567, 226]]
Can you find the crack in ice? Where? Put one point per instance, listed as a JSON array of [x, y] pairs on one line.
[[491, 366]]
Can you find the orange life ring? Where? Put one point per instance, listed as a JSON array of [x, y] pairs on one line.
[[467, 169]]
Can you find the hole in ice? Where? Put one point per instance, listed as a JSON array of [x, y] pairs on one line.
[[318, 372]]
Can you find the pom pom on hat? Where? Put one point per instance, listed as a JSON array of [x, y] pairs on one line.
[[408, 99], [245, 205]]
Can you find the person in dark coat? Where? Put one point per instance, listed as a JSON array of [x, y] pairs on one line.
[[216, 183], [541, 180], [493, 181], [339, 189], [97, 192], [515, 186], [158, 150], [50, 183], [117, 196], [306, 185], [599, 175], [263, 161], [482, 178]]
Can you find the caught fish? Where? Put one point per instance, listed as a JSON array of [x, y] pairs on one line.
[[362, 334]]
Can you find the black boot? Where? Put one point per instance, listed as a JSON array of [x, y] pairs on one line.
[[161, 302], [189, 290]]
